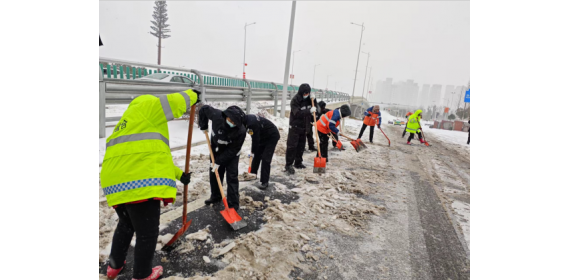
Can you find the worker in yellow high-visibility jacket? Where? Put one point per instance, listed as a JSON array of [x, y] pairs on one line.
[[413, 126], [138, 172]]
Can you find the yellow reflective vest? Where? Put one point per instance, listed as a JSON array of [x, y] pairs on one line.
[[413, 124], [138, 164]]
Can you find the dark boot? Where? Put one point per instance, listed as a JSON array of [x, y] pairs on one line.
[[299, 166], [211, 201], [289, 169]]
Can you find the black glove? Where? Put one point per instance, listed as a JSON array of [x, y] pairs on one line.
[[185, 178], [198, 94]]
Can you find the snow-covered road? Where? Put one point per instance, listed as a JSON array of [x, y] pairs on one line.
[[398, 212]]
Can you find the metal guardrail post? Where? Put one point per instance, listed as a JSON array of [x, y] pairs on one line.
[[248, 96], [101, 105], [202, 85], [275, 98]]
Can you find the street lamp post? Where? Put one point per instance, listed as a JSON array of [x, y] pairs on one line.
[[244, 40], [293, 66], [365, 73], [358, 57], [315, 69], [289, 43]]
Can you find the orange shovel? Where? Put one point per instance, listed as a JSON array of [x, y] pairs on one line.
[[320, 162], [229, 214]]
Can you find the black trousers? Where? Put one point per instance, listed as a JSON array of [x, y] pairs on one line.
[[264, 155], [310, 138], [324, 144], [469, 138], [295, 145], [412, 136], [232, 182], [363, 129], [144, 219]]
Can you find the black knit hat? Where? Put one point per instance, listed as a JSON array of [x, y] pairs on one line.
[[322, 104], [344, 111]]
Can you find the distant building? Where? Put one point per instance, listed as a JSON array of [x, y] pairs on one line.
[[435, 95], [383, 91], [424, 96]]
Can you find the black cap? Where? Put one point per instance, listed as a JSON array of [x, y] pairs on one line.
[[322, 104]]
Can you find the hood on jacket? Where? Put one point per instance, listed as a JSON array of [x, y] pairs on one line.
[[304, 89], [416, 114], [235, 114], [344, 111]]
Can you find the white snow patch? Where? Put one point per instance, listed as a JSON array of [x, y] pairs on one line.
[[463, 209]]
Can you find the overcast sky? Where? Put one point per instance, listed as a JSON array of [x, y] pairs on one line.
[[427, 41]]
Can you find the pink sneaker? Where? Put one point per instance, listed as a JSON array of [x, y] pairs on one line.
[[112, 273], [156, 273]]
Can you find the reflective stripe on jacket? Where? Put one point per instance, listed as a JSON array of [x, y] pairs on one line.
[[327, 120], [413, 124]]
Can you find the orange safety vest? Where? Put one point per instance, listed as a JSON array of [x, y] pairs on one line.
[[323, 123], [372, 120]]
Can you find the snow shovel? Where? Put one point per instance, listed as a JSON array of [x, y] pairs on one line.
[[229, 214], [426, 143], [320, 162], [248, 172], [249, 169], [357, 142], [354, 144], [185, 224], [338, 143], [385, 136]]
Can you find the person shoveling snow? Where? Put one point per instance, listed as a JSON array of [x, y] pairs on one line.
[[140, 141], [413, 126], [264, 136]]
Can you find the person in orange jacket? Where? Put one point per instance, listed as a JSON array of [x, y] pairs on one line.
[[372, 118]]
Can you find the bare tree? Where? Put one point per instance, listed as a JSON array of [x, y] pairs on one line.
[[159, 24]]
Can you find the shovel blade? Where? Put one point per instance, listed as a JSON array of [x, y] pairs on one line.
[[232, 217], [181, 231], [361, 144], [355, 145], [320, 165]]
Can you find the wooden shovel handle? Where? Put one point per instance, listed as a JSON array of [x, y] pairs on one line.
[[214, 163], [187, 163], [316, 129]]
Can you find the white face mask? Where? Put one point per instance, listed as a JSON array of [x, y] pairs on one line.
[[305, 97], [230, 124]]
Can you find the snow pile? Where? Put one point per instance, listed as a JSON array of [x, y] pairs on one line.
[[449, 136], [290, 237]]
